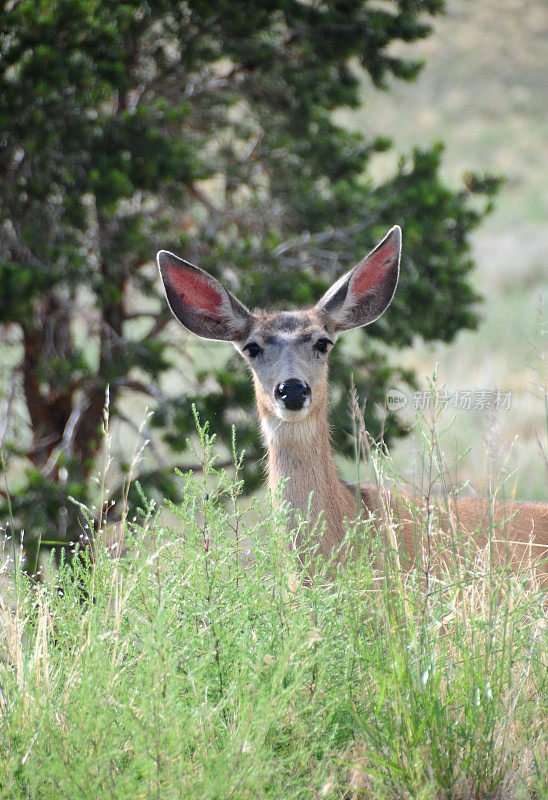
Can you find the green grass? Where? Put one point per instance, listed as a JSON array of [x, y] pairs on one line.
[[212, 662]]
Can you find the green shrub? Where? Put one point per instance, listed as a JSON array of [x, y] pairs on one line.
[[211, 661]]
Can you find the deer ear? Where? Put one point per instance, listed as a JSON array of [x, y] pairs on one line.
[[364, 293], [200, 302]]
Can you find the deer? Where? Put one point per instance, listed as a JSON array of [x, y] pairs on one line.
[[287, 353]]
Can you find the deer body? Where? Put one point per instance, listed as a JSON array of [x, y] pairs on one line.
[[287, 353]]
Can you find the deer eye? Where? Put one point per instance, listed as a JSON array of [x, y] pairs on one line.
[[253, 349], [322, 345]]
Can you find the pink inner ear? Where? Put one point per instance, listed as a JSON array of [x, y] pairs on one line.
[[374, 269], [194, 290]]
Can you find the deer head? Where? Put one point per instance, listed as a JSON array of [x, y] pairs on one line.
[[287, 351]]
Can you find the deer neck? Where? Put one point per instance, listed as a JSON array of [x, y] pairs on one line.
[[300, 452]]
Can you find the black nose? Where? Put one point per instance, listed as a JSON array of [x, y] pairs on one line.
[[292, 393]]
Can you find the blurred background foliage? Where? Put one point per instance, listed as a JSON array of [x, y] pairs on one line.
[[207, 128]]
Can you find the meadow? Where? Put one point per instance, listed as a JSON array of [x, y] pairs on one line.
[[214, 661]]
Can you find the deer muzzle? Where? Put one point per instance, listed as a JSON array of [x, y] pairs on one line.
[[293, 393]]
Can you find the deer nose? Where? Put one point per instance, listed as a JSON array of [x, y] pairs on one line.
[[293, 393]]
